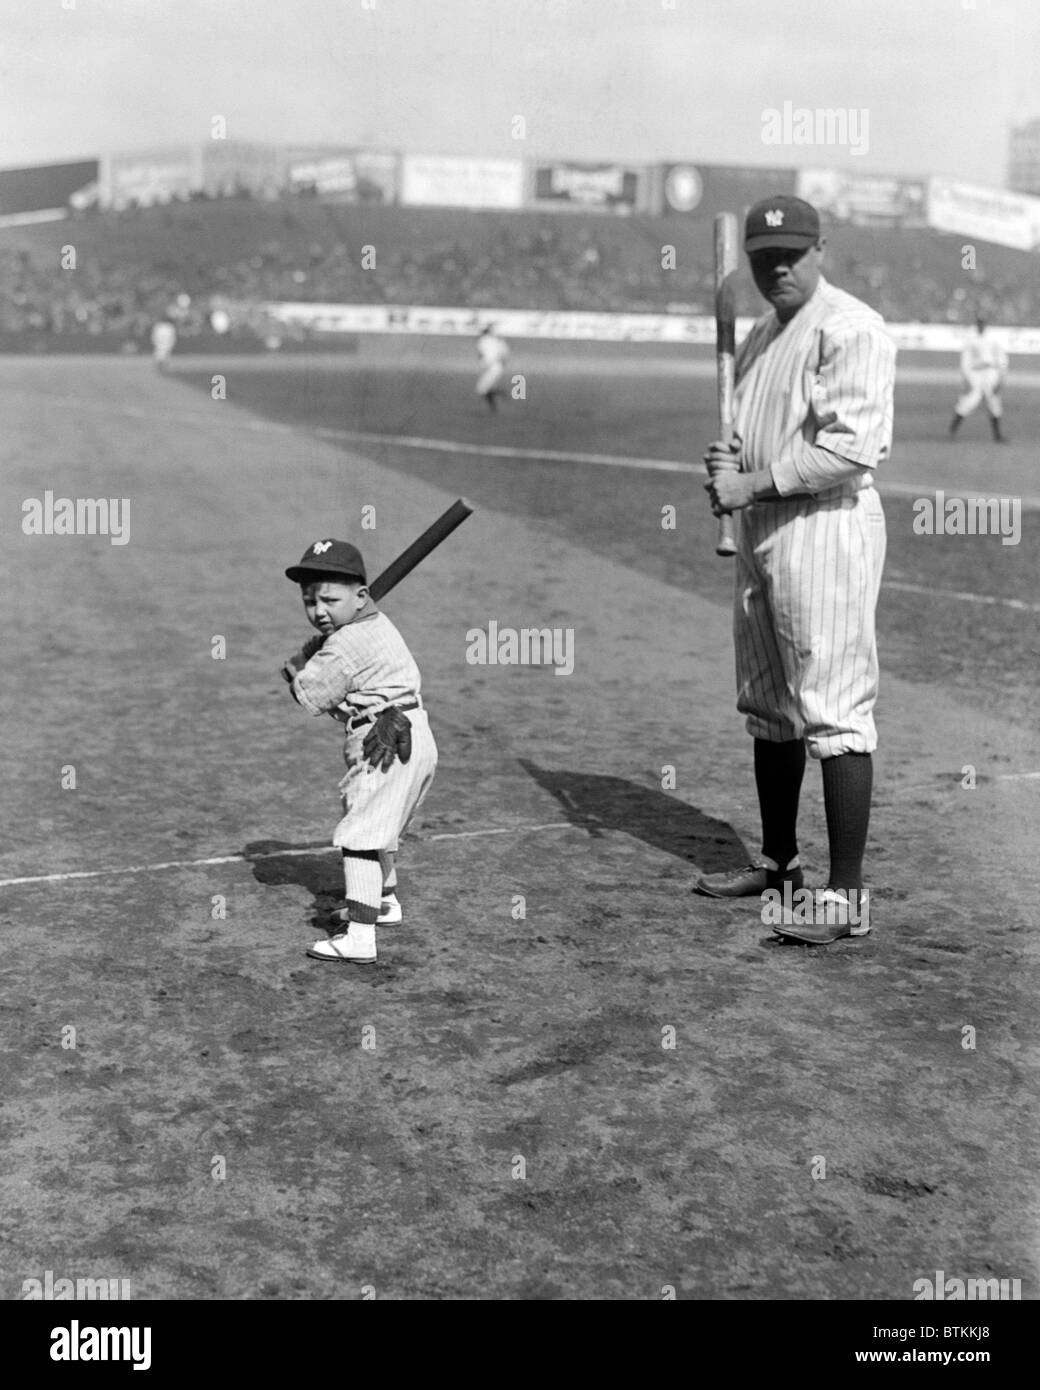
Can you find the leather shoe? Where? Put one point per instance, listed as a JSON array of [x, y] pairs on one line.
[[752, 879]]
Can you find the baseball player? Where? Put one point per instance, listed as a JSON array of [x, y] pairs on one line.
[[164, 340], [360, 671], [984, 365], [492, 352], [813, 420]]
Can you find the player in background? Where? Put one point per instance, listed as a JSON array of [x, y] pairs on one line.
[[493, 352], [984, 365], [164, 340]]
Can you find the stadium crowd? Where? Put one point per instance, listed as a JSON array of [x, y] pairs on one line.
[[548, 262]]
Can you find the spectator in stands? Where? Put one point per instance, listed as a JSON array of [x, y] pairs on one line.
[[261, 252]]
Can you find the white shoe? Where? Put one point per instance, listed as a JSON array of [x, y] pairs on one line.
[[390, 914], [357, 944]]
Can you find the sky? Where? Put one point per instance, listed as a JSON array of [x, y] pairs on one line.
[[940, 81]]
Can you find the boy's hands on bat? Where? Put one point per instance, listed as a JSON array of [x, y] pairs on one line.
[[291, 669], [390, 736]]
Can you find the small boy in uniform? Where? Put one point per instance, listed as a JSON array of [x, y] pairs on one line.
[[360, 671]]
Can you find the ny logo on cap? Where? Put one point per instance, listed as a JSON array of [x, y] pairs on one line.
[[320, 547], [775, 218]]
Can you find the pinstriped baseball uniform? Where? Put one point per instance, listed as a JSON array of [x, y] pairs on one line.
[[361, 667], [809, 567]]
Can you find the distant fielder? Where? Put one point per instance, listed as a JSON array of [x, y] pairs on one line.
[[164, 340], [493, 352], [984, 366], [359, 670]]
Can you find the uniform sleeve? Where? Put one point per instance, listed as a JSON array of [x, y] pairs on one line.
[[852, 394], [325, 681], [815, 471], [312, 645]]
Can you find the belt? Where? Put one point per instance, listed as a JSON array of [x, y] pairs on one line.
[[359, 719]]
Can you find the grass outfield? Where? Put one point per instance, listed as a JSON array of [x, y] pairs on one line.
[[623, 402], [522, 1127]]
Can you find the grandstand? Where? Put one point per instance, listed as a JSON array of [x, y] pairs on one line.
[[130, 265]]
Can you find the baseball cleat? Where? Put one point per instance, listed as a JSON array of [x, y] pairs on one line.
[[831, 915], [390, 914], [357, 944], [752, 879]]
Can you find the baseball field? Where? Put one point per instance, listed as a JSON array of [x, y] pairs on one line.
[[566, 1077]]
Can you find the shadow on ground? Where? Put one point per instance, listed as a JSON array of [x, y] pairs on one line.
[[597, 804], [317, 869]]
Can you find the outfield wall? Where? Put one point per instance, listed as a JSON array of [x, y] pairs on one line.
[[695, 329]]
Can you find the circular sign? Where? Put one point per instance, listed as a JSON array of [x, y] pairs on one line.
[[683, 187]]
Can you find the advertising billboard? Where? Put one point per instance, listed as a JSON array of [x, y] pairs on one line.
[[991, 214], [702, 190], [607, 186], [864, 200], [351, 176], [147, 179], [455, 182]]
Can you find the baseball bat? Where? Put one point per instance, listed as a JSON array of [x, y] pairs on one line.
[[419, 549], [726, 258]]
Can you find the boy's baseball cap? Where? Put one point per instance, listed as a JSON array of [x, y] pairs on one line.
[[781, 221], [337, 559]]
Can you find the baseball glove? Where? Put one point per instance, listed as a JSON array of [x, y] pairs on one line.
[[390, 736]]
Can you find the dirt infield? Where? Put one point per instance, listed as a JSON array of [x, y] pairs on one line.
[[496, 1109]]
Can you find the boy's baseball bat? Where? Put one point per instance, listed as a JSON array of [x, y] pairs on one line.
[[397, 569], [726, 257], [419, 549]]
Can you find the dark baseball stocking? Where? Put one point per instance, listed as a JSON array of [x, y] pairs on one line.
[[779, 768], [848, 781]]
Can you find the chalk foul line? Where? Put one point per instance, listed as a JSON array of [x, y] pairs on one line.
[[962, 596], [650, 465], [267, 854]]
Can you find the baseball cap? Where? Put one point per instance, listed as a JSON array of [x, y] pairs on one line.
[[781, 221], [337, 559]]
